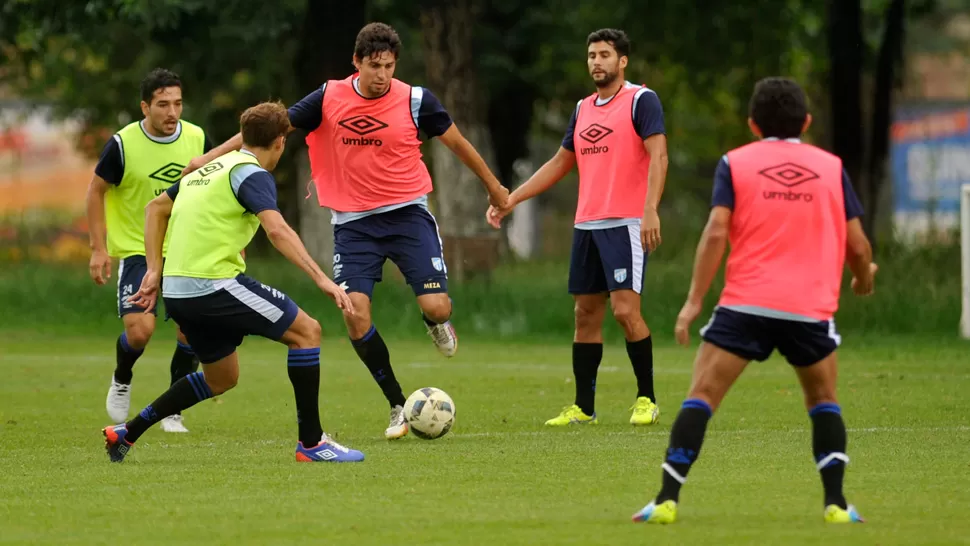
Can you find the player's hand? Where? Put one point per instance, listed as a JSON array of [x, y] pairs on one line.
[[147, 295], [338, 295], [196, 163], [687, 315], [868, 287], [499, 197], [100, 267], [650, 230], [495, 215]]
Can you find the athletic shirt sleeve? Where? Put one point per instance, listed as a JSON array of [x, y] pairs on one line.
[[567, 141], [173, 190], [853, 207], [111, 164], [723, 195], [308, 113], [432, 118], [254, 187], [648, 114]]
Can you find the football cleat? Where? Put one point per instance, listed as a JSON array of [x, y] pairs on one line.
[[118, 402], [173, 423], [327, 451], [663, 513], [835, 514], [572, 415], [398, 427], [645, 412], [444, 337], [115, 443]]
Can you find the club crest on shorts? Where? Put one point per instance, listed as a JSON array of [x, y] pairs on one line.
[[437, 263], [619, 275]]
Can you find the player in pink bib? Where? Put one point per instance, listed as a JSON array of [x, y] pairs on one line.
[[365, 158], [792, 219], [616, 138]]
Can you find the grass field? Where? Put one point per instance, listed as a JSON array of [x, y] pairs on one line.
[[499, 477]]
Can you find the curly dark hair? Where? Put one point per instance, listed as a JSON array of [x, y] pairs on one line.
[[779, 107], [260, 125], [376, 38], [159, 78], [615, 37]]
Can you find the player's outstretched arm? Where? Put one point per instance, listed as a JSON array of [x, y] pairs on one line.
[[707, 260], [546, 177], [459, 145], [230, 145], [288, 243], [157, 213], [100, 264], [858, 254]]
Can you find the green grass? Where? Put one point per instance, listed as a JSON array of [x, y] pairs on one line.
[[499, 477]]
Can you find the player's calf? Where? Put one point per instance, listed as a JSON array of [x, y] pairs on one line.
[[436, 312]]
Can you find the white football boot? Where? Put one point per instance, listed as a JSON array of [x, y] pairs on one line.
[[173, 423], [118, 402], [444, 337], [398, 427]]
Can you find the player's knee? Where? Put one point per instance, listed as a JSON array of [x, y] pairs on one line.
[[313, 333], [587, 316], [221, 381], [628, 316], [437, 311], [138, 335]]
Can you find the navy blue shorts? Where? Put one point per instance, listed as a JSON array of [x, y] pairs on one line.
[[407, 236], [604, 260], [215, 324], [131, 271], [755, 337]]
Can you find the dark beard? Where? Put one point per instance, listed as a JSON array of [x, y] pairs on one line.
[[607, 81]]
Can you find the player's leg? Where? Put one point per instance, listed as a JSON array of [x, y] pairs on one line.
[[588, 288], [358, 263], [731, 340], [130, 345], [184, 362], [623, 262], [810, 349], [415, 248]]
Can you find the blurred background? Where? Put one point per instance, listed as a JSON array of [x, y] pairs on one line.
[[888, 80]]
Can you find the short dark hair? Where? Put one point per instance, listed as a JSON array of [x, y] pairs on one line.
[[376, 38], [260, 125], [779, 107], [159, 78], [615, 37]]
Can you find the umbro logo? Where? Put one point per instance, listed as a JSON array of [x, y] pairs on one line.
[[362, 125], [326, 455], [789, 174], [595, 133], [169, 173]]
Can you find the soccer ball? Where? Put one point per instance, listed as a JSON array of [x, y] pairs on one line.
[[430, 413]]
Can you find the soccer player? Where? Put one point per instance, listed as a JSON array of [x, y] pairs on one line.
[[212, 214], [616, 137], [792, 219], [366, 161], [137, 164]]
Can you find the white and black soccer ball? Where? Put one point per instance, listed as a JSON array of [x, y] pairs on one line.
[[430, 413]]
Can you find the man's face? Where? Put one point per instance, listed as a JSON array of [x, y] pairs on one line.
[[164, 111], [603, 63], [376, 73], [277, 148]]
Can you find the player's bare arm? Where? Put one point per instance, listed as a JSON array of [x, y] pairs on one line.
[[157, 213], [546, 177], [858, 253], [100, 264], [707, 260], [656, 147], [459, 145], [288, 243]]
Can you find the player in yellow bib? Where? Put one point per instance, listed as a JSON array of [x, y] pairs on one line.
[[210, 216], [137, 164]]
